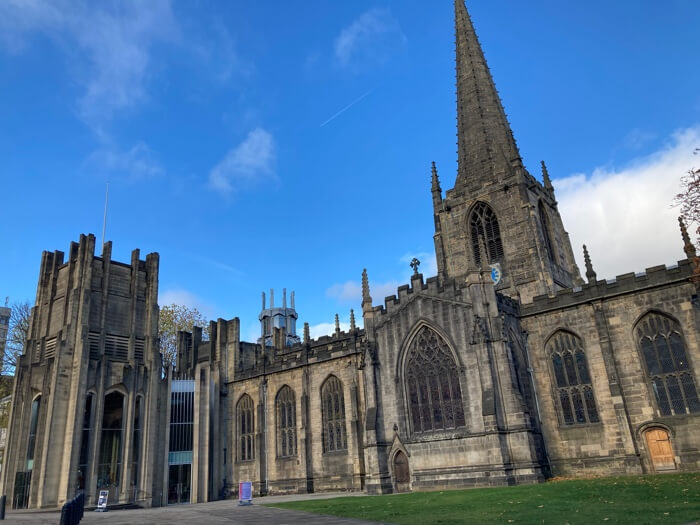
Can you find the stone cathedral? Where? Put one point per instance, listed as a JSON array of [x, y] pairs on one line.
[[506, 367]]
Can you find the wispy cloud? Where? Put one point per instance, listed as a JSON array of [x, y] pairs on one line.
[[108, 45], [371, 38], [184, 297], [133, 164], [624, 216], [350, 292], [250, 161]]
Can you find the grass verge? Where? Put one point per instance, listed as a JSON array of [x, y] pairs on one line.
[[664, 498]]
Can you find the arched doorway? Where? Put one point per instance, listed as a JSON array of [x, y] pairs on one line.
[[660, 451], [402, 475]]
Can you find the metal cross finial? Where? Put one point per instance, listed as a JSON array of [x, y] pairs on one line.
[[415, 263]]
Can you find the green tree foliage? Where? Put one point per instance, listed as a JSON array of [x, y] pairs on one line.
[[175, 318]]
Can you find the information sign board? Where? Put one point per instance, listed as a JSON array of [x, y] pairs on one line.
[[245, 493], [102, 501]]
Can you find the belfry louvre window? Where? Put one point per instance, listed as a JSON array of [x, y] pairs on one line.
[[432, 383], [333, 409], [246, 428], [286, 423], [664, 354], [544, 222], [485, 234], [574, 388]]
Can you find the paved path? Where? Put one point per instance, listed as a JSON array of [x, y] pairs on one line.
[[217, 512]]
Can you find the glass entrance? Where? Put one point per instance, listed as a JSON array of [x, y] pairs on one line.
[[179, 480]]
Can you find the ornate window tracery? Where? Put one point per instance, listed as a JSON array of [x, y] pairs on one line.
[[333, 412], [286, 423], [432, 384], [485, 234], [663, 351], [573, 382], [246, 428]]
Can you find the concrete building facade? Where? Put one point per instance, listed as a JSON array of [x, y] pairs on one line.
[[506, 367]]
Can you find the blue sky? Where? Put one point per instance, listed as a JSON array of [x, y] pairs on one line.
[[281, 144]]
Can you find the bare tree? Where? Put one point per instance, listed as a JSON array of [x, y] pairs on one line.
[[18, 330], [689, 199]]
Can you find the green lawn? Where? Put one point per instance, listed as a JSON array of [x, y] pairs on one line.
[[665, 498]]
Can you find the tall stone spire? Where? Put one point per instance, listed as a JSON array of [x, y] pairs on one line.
[[547, 181], [366, 297], [485, 142], [435, 188]]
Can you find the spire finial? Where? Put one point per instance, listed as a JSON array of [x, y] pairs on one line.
[[545, 178], [366, 297], [688, 246], [590, 274], [306, 333], [337, 325], [352, 320], [484, 136]]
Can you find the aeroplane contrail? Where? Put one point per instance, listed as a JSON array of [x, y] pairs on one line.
[[346, 108]]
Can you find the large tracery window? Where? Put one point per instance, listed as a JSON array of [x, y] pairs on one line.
[[286, 423], [333, 409], [664, 354], [246, 428], [574, 387], [432, 383], [485, 234]]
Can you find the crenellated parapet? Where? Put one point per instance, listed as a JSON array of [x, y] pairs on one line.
[[628, 283], [451, 290]]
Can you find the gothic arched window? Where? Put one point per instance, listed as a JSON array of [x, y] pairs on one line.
[[246, 428], [485, 234], [333, 412], [286, 423], [544, 222], [432, 384], [663, 351], [573, 381]]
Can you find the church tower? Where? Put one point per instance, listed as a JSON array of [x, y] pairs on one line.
[[497, 215]]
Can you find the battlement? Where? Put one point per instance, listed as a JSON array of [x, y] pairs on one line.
[[429, 287], [626, 283], [255, 361]]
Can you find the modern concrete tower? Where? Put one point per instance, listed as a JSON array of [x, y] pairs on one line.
[[86, 394]]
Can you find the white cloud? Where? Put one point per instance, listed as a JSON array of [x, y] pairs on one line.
[[372, 37], [252, 160], [351, 291], [320, 329], [108, 45], [134, 164], [625, 217], [183, 297]]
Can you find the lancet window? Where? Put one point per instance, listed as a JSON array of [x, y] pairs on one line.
[[432, 384], [286, 423], [574, 387], [544, 222], [333, 411], [246, 428], [485, 235], [666, 360]]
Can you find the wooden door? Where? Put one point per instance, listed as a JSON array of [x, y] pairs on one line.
[[659, 445], [402, 475]]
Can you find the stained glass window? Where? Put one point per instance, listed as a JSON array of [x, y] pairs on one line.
[[434, 393], [286, 423], [246, 428], [663, 351], [573, 380], [333, 412]]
